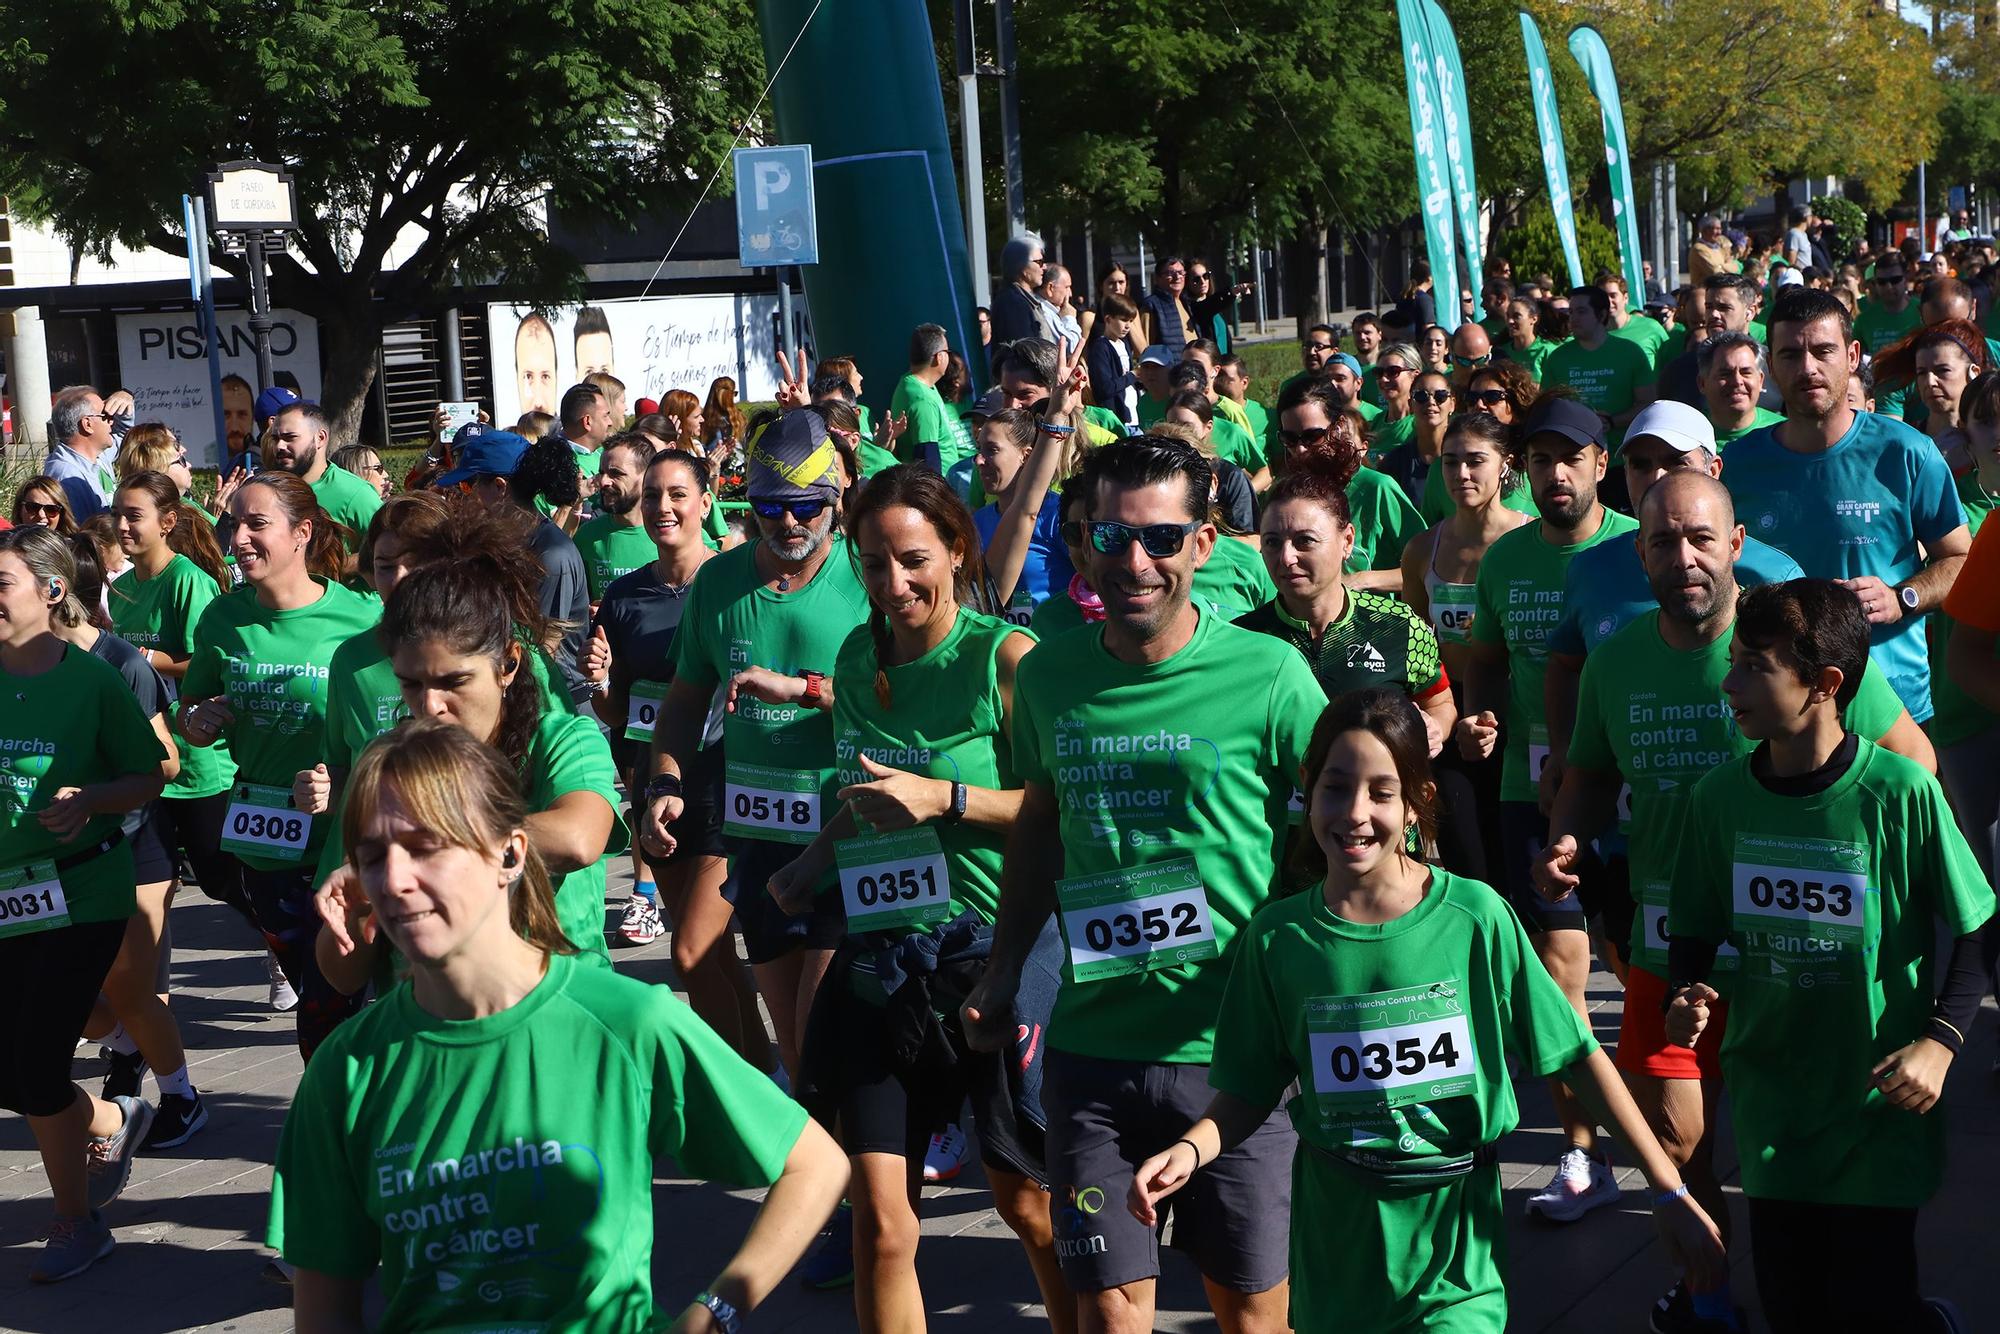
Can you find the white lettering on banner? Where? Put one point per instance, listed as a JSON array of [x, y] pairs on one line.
[[162, 360], [655, 344]]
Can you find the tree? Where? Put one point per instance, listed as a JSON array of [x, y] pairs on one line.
[[438, 129]]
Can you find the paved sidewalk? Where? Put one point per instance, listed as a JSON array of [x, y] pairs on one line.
[[188, 1228]]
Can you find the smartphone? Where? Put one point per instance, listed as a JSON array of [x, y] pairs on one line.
[[455, 416]]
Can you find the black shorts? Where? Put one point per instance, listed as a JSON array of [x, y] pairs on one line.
[[1604, 884], [153, 860], [769, 932], [1105, 1118], [698, 833], [193, 828], [49, 980]]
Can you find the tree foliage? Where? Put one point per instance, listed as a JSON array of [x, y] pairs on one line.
[[450, 121], [1536, 246]]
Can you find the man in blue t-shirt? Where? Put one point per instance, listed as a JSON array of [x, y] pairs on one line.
[[1856, 497]]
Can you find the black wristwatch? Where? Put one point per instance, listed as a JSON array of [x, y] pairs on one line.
[[663, 785], [726, 1317], [1908, 597], [957, 811]]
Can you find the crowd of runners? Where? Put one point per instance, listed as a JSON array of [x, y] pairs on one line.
[[1199, 803]]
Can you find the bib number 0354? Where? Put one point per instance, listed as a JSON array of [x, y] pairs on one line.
[[1390, 1048], [263, 822], [1136, 919]]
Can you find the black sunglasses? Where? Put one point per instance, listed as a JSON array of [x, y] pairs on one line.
[[1319, 347], [803, 510], [1311, 435], [1431, 395], [1389, 370], [1159, 539], [1488, 398]]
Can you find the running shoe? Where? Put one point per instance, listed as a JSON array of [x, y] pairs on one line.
[[1581, 1183], [945, 1158], [831, 1264], [175, 1121], [73, 1245], [641, 924], [126, 1075], [283, 998], [1944, 1316], [110, 1156]]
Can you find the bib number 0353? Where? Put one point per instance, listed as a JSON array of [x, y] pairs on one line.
[[31, 899], [263, 822], [771, 804], [1136, 919], [893, 880]]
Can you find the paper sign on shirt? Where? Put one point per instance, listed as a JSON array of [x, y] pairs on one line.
[[262, 821], [1803, 909], [776, 805], [1390, 1049], [31, 899], [894, 880], [643, 709], [1135, 919]]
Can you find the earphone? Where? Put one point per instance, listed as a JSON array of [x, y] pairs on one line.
[[55, 588], [510, 858]]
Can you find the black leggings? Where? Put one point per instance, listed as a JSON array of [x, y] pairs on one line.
[[1835, 1266], [1469, 813], [283, 904], [49, 981], [194, 829]]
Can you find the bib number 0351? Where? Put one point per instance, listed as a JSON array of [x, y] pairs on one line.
[[1136, 919], [893, 880], [263, 822]]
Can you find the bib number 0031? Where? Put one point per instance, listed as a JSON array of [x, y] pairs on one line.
[[263, 822], [1136, 919], [31, 899]]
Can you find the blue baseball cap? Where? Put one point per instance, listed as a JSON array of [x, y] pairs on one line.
[[272, 402], [492, 454], [1348, 360]]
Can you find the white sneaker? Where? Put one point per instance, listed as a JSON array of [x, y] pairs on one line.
[[641, 924], [1581, 1183], [282, 996], [946, 1156]]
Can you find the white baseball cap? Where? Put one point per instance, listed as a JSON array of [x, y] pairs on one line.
[[1682, 428]]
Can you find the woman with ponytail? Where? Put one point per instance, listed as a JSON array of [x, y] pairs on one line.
[[921, 703], [257, 678], [564, 1083]]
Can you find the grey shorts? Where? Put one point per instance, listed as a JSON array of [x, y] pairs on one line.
[[1105, 1118]]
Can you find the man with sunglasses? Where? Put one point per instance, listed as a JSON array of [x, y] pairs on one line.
[[1167, 316], [80, 460], [1316, 349], [1147, 827], [1887, 315], [1471, 349], [764, 622]]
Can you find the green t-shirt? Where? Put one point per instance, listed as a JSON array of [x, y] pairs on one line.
[[1656, 715], [1145, 771], [1377, 641], [73, 725], [1520, 600], [872, 459], [1605, 378], [272, 668], [160, 614], [1234, 579], [1645, 333], [1150, 410], [1235, 444], [1532, 356], [1397, 1036], [351, 501], [569, 754], [1876, 328], [1762, 417], [363, 699], [528, 1205], [1263, 426], [930, 422], [1387, 435], [1833, 900], [1957, 717], [1384, 521], [946, 720], [732, 621], [611, 547], [1054, 615], [1439, 506]]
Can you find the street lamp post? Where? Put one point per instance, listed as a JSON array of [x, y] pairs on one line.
[[252, 204]]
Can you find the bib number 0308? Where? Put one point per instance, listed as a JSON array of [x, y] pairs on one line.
[[262, 821]]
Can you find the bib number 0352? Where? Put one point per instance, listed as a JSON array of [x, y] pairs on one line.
[[262, 821], [1136, 919], [31, 899], [893, 880]]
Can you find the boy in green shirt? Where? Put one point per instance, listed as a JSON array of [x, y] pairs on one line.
[[1827, 862]]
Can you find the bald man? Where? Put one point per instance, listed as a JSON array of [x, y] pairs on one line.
[[1471, 349]]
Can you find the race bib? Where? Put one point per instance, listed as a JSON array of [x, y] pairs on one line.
[[1801, 908], [1625, 808], [642, 709], [263, 821], [1136, 919], [1295, 809], [1020, 608], [1451, 617], [31, 899], [1389, 1049], [894, 880], [776, 805]]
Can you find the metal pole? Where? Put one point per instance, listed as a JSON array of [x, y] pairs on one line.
[[1257, 263], [260, 309], [1090, 260], [1138, 286], [1923, 219], [1673, 275], [970, 152], [454, 358], [1010, 115], [205, 279], [784, 314]]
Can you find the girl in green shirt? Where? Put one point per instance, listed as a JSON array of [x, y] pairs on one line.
[[1525, 345], [922, 698], [486, 1136], [76, 753], [1392, 994]]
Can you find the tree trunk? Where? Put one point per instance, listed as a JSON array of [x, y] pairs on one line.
[[1305, 273], [350, 338]]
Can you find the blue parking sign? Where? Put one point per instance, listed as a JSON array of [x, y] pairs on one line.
[[774, 206]]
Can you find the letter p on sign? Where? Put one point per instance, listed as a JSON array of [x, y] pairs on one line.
[[769, 178]]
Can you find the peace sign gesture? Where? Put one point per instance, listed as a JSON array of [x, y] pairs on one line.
[[1066, 395], [793, 388]]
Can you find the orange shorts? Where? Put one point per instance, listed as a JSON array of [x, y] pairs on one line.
[[1643, 1048]]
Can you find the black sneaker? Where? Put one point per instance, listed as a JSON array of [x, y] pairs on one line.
[[1944, 1316], [126, 1075], [175, 1121]]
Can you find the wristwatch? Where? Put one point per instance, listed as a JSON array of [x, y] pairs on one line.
[[957, 811], [814, 681], [663, 785], [1908, 597], [726, 1318]]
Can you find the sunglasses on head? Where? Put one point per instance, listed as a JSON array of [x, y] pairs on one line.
[[803, 510], [1159, 539], [1431, 395]]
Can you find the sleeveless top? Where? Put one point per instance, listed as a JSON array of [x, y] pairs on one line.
[[1450, 604]]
